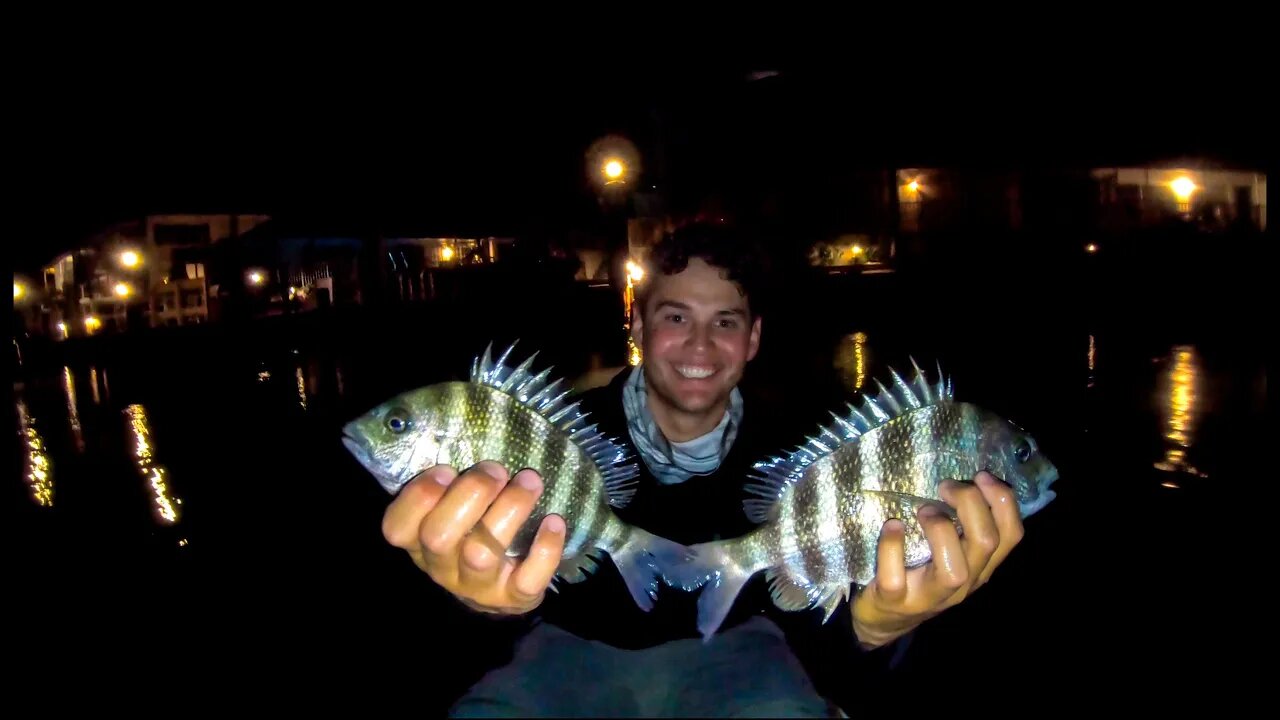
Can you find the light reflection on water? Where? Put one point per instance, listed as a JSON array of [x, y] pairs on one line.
[[1092, 358], [93, 385], [851, 360], [152, 472], [36, 467], [73, 413], [302, 387], [1180, 389]]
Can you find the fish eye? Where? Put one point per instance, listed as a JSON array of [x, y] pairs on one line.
[[1022, 451], [398, 421]]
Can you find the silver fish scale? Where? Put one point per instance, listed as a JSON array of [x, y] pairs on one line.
[[829, 522], [498, 427]]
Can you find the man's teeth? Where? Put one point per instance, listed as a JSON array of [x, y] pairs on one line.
[[694, 372]]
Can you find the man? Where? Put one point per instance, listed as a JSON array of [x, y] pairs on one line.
[[588, 650]]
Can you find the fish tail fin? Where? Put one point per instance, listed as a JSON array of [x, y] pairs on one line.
[[722, 576], [641, 560], [721, 569]]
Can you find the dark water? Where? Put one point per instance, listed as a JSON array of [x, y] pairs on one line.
[[187, 531]]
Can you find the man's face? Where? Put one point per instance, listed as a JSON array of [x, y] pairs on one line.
[[696, 337]]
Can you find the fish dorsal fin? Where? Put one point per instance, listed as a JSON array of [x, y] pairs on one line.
[[539, 392], [772, 479]]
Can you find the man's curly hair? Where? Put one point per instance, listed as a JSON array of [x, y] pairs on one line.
[[739, 256]]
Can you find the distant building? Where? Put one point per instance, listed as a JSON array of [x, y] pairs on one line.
[[153, 271], [318, 264], [1213, 199], [1113, 199]]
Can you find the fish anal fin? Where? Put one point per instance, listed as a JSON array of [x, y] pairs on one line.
[[833, 595], [577, 568], [787, 594]]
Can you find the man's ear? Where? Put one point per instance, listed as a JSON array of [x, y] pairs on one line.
[[754, 343], [637, 325]]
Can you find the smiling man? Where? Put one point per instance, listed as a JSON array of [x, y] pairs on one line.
[[588, 650]]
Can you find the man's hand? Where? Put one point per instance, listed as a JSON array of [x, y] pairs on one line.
[[457, 529], [897, 600]]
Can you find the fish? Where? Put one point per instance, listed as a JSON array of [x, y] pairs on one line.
[[820, 509], [522, 420]]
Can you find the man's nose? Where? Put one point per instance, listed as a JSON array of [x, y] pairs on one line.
[[699, 337]]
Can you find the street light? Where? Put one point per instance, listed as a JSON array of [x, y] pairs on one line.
[[614, 169], [611, 164], [1182, 188], [18, 290], [123, 290], [256, 277], [130, 259]]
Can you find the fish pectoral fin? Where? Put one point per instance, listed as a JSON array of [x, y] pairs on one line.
[[789, 595], [577, 568]]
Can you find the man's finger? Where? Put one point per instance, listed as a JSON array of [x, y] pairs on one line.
[[511, 510], [981, 538], [891, 574], [1008, 520], [947, 570], [403, 517], [533, 575], [484, 549], [462, 506]]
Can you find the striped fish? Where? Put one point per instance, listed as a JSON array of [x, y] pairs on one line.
[[521, 420], [821, 509]]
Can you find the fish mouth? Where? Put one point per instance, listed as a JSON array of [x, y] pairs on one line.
[[1045, 497], [364, 456], [354, 447]]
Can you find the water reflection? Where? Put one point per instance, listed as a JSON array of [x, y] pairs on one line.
[[152, 472], [851, 360], [73, 414], [35, 462], [1092, 357], [302, 388], [93, 385], [1180, 387]]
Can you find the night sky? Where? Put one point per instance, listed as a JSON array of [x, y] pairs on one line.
[[455, 150]]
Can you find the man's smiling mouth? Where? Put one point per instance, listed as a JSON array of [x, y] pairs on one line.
[[695, 372]]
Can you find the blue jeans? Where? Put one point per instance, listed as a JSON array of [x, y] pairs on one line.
[[747, 671]]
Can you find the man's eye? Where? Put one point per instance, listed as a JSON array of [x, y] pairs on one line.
[[728, 324], [675, 318]]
